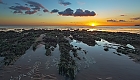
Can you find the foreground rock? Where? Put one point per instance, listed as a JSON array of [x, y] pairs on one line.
[[14, 44]]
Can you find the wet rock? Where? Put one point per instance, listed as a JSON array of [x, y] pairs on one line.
[[119, 54], [85, 51], [49, 77], [48, 52], [52, 48], [18, 43], [79, 48], [133, 53], [34, 47], [130, 46], [106, 48], [126, 50]]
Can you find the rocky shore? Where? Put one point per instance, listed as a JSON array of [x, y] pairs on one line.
[[14, 44]]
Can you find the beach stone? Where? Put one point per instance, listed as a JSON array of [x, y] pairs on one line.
[[106, 49], [130, 46]]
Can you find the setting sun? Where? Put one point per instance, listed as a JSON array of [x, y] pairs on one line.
[[92, 24]]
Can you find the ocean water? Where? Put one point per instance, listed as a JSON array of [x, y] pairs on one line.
[[130, 29]]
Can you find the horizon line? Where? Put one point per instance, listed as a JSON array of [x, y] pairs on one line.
[[67, 25]]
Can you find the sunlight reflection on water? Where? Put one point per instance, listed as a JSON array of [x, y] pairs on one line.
[[131, 29], [96, 63]]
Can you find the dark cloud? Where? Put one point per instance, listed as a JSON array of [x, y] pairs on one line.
[[17, 12], [30, 12], [67, 12], [30, 7], [54, 11], [35, 4], [18, 8], [45, 10], [136, 18], [62, 2], [26, 4], [111, 20], [122, 15], [36, 8], [122, 21], [79, 12]]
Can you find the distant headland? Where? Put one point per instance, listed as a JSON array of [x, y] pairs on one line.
[[137, 25]]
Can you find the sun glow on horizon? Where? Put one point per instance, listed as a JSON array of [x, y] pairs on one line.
[[92, 24]]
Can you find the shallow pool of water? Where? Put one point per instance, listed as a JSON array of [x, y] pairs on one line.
[[95, 63]]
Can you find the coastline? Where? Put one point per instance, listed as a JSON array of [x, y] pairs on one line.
[[122, 38], [16, 43], [129, 29]]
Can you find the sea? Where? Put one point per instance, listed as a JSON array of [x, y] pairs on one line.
[[130, 29]]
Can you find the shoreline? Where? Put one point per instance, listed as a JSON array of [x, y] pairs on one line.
[[122, 38], [14, 44], [129, 29]]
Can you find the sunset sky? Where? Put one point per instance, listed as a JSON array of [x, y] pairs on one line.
[[70, 12]]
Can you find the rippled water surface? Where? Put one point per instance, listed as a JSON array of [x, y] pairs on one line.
[[95, 63]]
